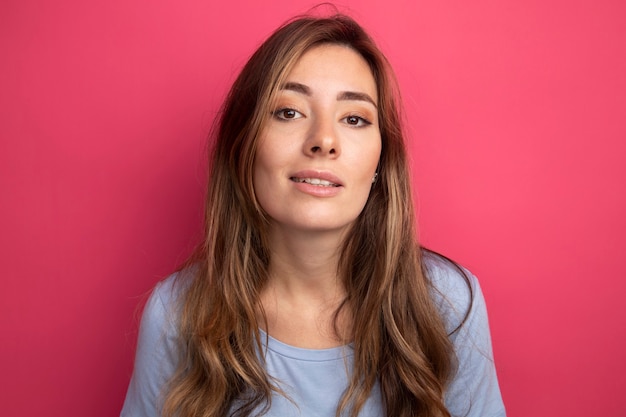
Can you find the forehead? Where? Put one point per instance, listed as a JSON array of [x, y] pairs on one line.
[[332, 66]]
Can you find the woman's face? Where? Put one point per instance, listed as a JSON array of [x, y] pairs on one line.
[[319, 150]]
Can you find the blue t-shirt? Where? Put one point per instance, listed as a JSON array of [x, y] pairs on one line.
[[315, 379]]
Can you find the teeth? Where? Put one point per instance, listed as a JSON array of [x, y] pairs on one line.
[[316, 181]]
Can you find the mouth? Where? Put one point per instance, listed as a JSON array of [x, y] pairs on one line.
[[315, 181]]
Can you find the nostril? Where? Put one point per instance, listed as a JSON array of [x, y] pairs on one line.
[[315, 149], [332, 151]]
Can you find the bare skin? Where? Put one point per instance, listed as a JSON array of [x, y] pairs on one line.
[[326, 128], [303, 293]]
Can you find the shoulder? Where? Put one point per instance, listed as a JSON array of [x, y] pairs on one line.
[[454, 290], [473, 391], [157, 352], [162, 311]]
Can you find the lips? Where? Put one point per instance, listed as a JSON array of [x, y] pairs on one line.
[[316, 178], [315, 181]]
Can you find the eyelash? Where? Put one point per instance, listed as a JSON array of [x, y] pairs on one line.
[[361, 121], [280, 113]]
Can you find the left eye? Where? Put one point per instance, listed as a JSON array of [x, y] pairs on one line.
[[284, 114], [357, 121]]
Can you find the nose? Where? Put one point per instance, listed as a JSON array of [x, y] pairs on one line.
[[322, 139]]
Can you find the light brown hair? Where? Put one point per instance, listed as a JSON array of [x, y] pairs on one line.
[[398, 335]]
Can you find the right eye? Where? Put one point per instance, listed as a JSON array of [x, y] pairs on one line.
[[286, 114]]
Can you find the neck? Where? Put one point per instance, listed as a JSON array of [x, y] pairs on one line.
[[303, 290], [305, 263]]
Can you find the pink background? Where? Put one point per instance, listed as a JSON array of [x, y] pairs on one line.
[[516, 111]]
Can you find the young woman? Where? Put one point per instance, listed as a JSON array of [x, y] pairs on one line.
[[310, 295]]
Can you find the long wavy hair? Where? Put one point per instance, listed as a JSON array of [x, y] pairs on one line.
[[398, 335]]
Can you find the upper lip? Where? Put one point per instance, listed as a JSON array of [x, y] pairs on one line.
[[322, 175]]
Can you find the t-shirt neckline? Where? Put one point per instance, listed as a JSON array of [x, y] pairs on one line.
[[318, 355]]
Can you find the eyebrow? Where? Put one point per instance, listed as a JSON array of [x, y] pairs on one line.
[[343, 95], [353, 95]]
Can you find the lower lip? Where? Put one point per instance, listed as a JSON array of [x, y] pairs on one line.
[[317, 190]]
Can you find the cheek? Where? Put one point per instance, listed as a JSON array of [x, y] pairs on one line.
[[267, 172], [263, 161], [262, 187], [368, 158], [259, 172], [261, 179]]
